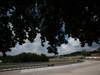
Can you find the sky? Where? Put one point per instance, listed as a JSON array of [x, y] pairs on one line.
[[36, 47]]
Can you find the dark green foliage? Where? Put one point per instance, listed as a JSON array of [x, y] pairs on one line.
[[98, 50], [25, 57], [52, 50], [29, 17], [85, 53]]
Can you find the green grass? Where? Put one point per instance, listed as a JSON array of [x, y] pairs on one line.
[[56, 61]]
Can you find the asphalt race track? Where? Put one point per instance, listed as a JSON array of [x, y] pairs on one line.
[[89, 67]]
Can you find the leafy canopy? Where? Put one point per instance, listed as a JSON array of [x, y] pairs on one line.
[[23, 19]]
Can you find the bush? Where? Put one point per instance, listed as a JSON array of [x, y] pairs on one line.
[[25, 57], [85, 53]]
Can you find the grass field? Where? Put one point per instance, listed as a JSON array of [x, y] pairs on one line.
[[55, 61]]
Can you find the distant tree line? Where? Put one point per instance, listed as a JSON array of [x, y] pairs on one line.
[[81, 53], [85, 53], [25, 57]]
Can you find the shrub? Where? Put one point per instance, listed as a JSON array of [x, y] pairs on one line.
[[25, 57]]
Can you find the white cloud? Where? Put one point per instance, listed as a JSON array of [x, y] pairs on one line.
[[73, 42], [30, 47], [35, 47], [74, 45]]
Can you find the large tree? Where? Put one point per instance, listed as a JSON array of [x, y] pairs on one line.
[[53, 19]]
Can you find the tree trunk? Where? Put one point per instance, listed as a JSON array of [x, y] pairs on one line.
[[4, 54]]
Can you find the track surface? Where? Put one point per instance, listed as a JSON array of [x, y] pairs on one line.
[[89, 67]]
